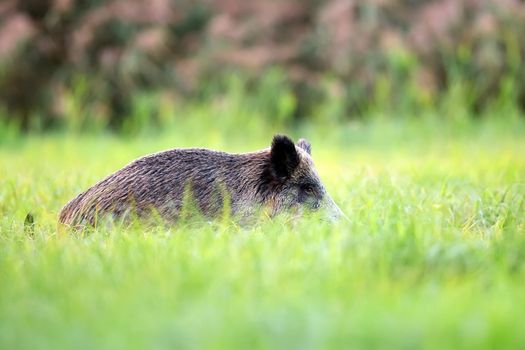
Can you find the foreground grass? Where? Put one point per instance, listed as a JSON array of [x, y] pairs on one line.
[[434, 254]]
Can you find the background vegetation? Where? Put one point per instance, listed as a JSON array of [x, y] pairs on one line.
[[61, 56], [415, 113]]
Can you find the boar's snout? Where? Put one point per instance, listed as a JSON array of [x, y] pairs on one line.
[[332, 212]]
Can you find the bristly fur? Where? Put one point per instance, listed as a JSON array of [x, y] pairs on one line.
[[159, 182]]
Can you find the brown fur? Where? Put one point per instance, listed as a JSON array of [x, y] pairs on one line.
[[158, 183]]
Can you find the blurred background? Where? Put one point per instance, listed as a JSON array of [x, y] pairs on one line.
[[125, 65]]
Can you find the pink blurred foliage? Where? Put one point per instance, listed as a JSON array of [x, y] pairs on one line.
[[352, 41]]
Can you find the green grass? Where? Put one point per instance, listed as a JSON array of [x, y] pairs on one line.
[[433, 255]]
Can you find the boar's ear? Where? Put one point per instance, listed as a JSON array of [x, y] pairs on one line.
[[283, 156], [305, 145]]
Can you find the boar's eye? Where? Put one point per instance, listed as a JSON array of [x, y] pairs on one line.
[[308, 189]]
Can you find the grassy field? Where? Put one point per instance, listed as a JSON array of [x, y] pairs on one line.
[[433, 255]]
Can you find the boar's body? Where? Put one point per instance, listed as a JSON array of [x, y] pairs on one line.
[[159, 184]]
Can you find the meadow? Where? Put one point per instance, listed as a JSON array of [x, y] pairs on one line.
[[433, 255]]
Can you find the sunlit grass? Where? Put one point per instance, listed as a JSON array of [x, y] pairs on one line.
[[433, 255]]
